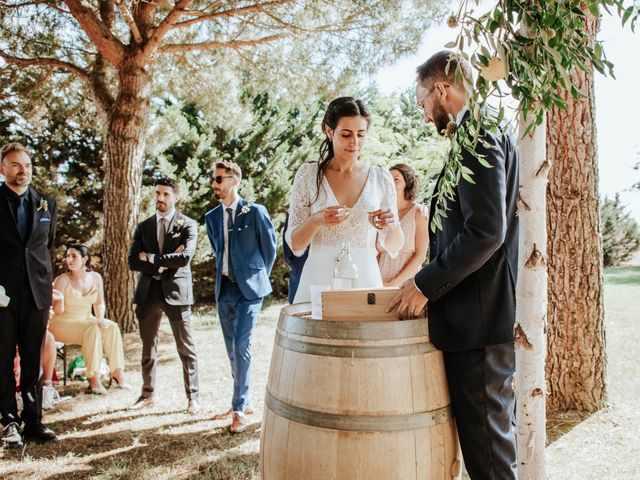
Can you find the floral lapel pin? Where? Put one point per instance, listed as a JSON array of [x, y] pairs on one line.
[[178, 228], [246, 208], [44, 205]]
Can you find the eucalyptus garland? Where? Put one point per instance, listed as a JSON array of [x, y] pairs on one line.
[[526, 49]]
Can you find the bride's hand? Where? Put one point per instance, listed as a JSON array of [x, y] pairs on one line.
[[330, 216], [381, 219]]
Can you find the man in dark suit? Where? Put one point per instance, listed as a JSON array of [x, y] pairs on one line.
[[244, 242], [470, 280], [162, 249], [27, 231]]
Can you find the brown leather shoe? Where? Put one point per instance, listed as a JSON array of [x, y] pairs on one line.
[[239, 423], [142, 402], [194, 407], [248, 410]]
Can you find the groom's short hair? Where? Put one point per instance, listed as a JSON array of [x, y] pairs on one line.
[[13, 147], [230, 167], [442, 67]]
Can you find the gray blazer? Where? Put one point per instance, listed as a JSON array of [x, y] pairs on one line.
[[176, 279]]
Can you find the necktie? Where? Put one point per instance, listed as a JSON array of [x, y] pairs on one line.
[[21, 218], [229, 238], [162, 233]]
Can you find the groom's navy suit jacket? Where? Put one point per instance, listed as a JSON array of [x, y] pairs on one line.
[[470, 280], [253, 249]]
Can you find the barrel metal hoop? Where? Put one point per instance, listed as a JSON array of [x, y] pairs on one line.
[[353, 330], [357, 423], [354, 351]]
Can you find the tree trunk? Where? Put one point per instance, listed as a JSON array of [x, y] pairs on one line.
[[576, 349], [531, 309], [125, 144]]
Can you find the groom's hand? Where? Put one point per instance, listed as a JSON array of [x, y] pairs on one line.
[[410, 301]]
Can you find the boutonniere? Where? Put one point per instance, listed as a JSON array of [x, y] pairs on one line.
[[246, 208], [178, 228], [450, 131], [44, 205]]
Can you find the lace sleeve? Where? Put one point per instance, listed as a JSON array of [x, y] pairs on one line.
[[300, 202], [388, 201]]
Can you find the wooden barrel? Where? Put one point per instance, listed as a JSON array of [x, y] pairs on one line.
[[356, 400]]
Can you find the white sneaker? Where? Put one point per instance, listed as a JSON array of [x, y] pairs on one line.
[[51, 398]]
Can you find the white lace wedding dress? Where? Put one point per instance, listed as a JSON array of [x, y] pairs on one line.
[[378, 192]]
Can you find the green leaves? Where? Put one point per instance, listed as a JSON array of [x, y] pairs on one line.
[[545, 43]]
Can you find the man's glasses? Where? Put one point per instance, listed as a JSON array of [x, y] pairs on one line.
[[219, 178], [419, 104]]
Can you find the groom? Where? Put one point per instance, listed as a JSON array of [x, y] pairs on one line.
[[27, 230], [244, 242], [470, 280]]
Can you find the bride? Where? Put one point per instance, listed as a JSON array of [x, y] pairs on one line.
[[339, 200]]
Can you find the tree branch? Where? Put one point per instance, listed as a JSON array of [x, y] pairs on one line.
[[48, 62], [106, 43], [126, 14], [190, 47], [166, 24], [30, 4], [203, 17]]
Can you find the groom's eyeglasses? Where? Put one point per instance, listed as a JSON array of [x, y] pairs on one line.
[[219, 178], [420, 103]]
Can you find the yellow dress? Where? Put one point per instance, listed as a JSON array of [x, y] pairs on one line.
[[78, 326]]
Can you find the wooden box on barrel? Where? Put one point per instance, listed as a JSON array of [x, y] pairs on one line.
[[361, 396]]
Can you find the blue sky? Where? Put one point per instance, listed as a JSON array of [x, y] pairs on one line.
[[617, 103]]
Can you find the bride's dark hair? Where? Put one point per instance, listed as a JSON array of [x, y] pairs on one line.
[[84, 252], [338, 108]]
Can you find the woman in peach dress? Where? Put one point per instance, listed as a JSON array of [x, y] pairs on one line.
[[395, 270]]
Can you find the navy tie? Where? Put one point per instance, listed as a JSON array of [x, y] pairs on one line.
[[230, 273], [21, 217]]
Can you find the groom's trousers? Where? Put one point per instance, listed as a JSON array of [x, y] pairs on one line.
[[483, 402]]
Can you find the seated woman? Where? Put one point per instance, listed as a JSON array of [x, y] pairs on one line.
[[395, 270], [83, 289]]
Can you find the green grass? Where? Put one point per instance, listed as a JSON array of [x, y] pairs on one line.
[[100, 439]]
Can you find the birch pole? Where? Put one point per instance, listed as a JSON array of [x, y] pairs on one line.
[[531, 305]]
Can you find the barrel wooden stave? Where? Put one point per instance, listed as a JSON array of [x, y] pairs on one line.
[[356, 388]]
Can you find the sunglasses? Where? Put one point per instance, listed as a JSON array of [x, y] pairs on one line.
[[218, 178]]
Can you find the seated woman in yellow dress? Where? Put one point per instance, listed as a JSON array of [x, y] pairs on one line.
[[78, 325]]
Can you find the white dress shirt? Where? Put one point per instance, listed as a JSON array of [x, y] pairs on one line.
[[225, 219]]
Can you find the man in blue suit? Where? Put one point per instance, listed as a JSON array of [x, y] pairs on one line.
[[243, 240]]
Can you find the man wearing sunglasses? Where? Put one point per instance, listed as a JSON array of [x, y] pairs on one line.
[[243, 240]]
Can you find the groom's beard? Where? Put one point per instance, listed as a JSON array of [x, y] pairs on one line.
[[440, 118]]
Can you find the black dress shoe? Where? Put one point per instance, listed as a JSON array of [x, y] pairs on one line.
[[39, 433], [11, 436]]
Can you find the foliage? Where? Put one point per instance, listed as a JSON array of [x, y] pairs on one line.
[[276, 141], [620, 232], [68, 149], [531, 48], [212, 51], [185, 143]]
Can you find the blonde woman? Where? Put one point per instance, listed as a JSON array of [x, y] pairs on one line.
[[83, 323]]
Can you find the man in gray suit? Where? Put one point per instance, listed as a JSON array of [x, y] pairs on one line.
[[162, 249]]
